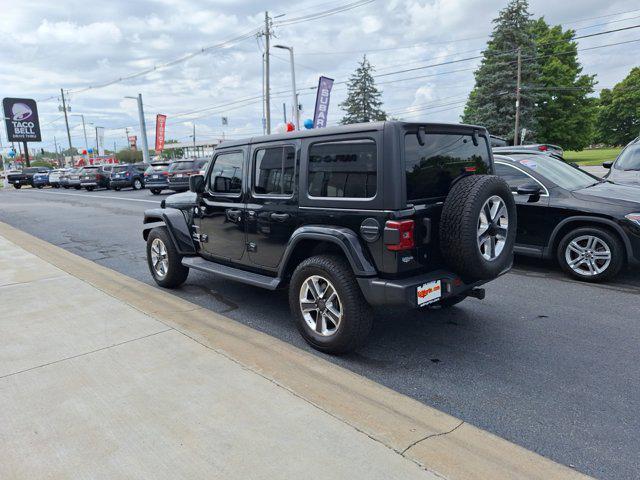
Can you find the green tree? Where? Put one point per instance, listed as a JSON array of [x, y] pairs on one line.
[[618, 111], [363, 102], [492, 101], [565, 113]]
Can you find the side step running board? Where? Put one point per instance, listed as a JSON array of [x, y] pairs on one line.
[[250, 278]]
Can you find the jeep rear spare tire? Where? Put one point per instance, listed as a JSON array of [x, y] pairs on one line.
[[478, 227]]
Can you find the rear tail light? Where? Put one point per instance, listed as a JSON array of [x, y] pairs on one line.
[[166, 174], [543, 148], [399, 235]]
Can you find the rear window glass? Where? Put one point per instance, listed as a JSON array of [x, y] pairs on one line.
[[120, 169], [181, 166], [346, 169], [430, 168], [157, 168], [89, 169]]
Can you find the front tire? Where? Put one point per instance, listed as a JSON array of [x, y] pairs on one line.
[[17, 187], [137, 184], [164, 261], [155, 191], [330, 311], [591, 254]]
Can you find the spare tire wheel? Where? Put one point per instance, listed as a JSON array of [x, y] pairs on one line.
[[478, 227]]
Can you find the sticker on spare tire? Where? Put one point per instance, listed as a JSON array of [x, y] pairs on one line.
[[429, 292]]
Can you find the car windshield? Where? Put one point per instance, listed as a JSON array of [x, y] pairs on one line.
[[30, 170], [89, 169], [629, 159], [556, 171], [181, 166], [122, 168]]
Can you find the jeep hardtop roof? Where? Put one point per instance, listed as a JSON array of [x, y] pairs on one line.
[[343, 129]]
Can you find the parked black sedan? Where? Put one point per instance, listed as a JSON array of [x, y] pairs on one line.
[[591, 226], [625, 170]]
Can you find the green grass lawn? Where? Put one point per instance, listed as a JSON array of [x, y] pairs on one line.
[[592, 157]]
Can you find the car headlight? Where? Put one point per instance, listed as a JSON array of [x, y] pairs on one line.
[[633, 217]]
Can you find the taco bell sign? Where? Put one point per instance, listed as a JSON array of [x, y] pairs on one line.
[[21, 118], [322, 102]]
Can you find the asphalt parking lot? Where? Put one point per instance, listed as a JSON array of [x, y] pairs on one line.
[[546, 362]]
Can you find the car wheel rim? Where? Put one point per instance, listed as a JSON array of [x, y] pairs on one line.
[[588, 255], [137, 184], [320, 305], [159, 258], [493, 227]]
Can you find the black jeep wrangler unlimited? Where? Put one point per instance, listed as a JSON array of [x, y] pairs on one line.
[[347, 218]]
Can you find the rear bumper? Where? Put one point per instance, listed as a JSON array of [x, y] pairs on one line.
[[404, 291], [120, 183]]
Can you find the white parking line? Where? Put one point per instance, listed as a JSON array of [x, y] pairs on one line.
[[85, 195]]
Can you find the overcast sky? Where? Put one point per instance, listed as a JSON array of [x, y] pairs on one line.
[[74, 44]]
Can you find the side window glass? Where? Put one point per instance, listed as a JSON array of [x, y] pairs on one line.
[[274, 170], [346, 169], [512, 176], [226, 176]]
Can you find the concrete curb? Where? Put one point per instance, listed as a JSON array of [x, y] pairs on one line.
[[436, 441]]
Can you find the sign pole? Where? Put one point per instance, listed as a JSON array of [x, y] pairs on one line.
[[26, 154]]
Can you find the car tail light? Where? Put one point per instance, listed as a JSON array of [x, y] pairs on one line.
[[166, 174], [543, 148], [127, 174], [398, 235], [98, 176]]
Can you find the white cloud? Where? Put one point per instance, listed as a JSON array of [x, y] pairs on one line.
[[69, 32]]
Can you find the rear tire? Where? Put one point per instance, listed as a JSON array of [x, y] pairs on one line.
[[164, 261], [155, 191], [478, 227], [17, 187], [137, 184], [78, 187], [342, 320], [591, 262], [117, 189]]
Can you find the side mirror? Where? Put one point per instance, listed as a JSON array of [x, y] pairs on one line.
[[607, 164], [530, 189], [196, 184]]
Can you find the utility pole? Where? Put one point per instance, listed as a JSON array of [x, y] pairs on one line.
[[66, 122], [267, 93], [516, 137], [126, 131], [97, 143]]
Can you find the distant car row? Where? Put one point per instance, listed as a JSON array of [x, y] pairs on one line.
[[157, 176]]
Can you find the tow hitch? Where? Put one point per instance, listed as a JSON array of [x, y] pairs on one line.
[[476, 293]]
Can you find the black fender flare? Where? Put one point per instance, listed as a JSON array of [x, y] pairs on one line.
[[550, 253], [343, 237], [176, 224]]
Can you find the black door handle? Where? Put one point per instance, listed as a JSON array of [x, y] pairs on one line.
[[280, 217]]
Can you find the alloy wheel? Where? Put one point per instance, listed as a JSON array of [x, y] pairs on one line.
[[159, 258], [493, 225], [320, 305], [588, 255]]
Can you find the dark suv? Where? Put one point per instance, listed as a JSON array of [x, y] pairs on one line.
[[389, 213], [95, 176], [156, 177], [128, 175], [181, 170]]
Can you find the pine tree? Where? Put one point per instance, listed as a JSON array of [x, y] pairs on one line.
[[492, 101], [565, 113], [363, 102]]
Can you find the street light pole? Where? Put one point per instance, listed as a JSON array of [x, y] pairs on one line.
[[296, 111], [143, 129], [84, 129]]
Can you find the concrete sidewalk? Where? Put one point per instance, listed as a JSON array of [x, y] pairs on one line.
[[102, 376]]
